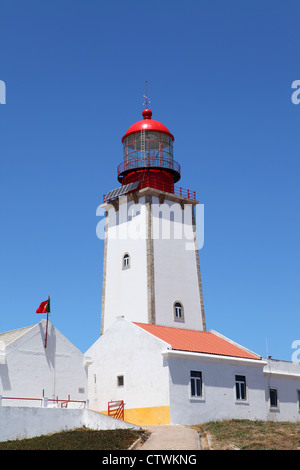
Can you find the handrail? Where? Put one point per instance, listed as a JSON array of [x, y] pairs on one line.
[[177, 190], [148, 162], [115, 409], [64, 402], [21, 398]]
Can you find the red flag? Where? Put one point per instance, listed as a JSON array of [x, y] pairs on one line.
[[44, 307]]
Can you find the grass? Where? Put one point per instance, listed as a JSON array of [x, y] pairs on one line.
[[79, 439], [252, 435], [223, 435]]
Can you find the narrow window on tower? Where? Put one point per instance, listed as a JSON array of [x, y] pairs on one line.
[[126, 261], [178, 311]]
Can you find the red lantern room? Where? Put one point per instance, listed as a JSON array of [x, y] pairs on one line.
[[148, 155]]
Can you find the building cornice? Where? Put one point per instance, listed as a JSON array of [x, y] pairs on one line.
[[211, 357]]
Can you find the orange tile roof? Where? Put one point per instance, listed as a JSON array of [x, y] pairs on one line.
[[182, 339]]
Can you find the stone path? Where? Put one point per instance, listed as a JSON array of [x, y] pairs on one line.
[[171, 437]]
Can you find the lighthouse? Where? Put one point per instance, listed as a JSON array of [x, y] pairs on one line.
[[155, 362], [151, 269]]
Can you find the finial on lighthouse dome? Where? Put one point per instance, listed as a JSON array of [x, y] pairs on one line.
[[147, 113]]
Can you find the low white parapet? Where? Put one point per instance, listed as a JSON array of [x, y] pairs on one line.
[[25, 422]]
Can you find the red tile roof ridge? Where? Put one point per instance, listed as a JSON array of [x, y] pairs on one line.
[[184, 339], [152, 325]]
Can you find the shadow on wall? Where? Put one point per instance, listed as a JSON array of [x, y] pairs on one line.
[[4, 375], [50, 350]]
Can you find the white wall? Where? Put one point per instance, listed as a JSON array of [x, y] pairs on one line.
[[125, 290], [285, 378], [28, 368], [155, 376], [127, 350], [175, 268], [26, 422], [219, 399]]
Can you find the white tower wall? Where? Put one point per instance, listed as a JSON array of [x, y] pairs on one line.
[[157, 231], [175, 266], [124, 288]]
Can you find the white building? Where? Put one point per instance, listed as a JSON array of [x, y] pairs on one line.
[[171, 375], [28, 369], [160, 360]]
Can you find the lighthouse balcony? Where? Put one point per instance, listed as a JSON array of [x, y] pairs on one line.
[[154, 184], [149, 160]]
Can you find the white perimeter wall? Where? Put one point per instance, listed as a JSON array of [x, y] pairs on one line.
[[26, 422]]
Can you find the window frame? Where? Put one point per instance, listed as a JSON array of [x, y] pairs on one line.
[[126, 257], [193, 385], [175, 307], [240, 385], [276, 406], [120, 380]]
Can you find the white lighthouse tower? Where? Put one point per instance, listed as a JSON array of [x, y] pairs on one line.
[[151, 270]]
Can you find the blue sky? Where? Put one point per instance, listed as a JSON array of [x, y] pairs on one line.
[[219, 77]]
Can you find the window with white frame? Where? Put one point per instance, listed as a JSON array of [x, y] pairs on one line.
[[240, 387], [196, 384]]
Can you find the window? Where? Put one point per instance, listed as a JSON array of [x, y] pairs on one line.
[[178, 311], [126, 261], [120, 380], [196, 383], [273, 398], [240, 387], [298, 393]]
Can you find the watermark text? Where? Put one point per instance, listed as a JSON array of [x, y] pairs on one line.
[[2, 92], [296, 353], [168, 221], [296, 94]]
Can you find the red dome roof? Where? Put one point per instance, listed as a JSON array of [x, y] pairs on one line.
[[147, 124]]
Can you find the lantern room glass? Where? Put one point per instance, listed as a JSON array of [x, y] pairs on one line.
[[148, 145]]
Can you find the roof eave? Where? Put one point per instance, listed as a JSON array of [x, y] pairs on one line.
[[213, 357]]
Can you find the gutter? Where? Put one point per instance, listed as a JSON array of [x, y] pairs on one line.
[[212, 357], [283, 374]]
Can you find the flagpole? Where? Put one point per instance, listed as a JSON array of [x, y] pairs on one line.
[[46, 335], [46, 332]]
